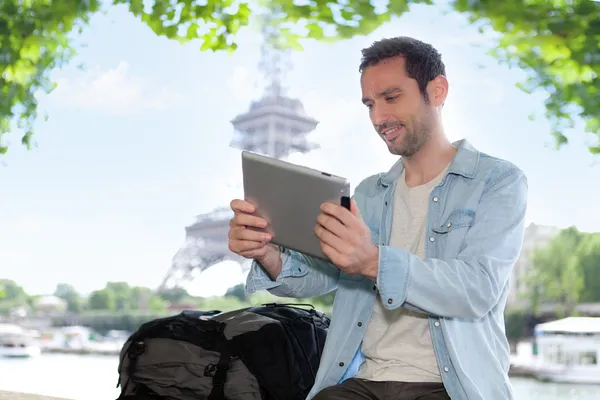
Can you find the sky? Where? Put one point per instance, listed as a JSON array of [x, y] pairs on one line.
[[137, 145]]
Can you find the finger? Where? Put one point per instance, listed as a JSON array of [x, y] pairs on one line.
[[243, 206], [242, 233], [339, 212], [242, 246], [332, 224], [329, 238], [354, 209], [249, 220], [256, 253], [334, 255]]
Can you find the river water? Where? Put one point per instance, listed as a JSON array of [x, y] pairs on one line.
[[95, 378]]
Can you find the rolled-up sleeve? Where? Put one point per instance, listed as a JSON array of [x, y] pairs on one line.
[[393, 276], [301, 276], [259, 279]]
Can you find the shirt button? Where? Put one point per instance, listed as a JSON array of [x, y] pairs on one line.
[[389, 301], [341, 364], [359, 324], [435, 199], [436, 323], [431, 239], [449, 224], [446, 369], [374, 287]]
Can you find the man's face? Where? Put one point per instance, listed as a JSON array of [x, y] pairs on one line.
[[396, 107]]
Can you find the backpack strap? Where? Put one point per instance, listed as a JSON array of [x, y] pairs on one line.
[[220, 373]]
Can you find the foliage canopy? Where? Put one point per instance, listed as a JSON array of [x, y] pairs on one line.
[[555, 41]]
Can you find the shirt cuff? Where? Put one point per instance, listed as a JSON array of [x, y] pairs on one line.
[[259, 279], [393, 276]]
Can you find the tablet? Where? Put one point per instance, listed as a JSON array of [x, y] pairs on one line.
[[289, 197]]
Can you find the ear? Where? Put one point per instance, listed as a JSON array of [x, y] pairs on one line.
[[437, 90]]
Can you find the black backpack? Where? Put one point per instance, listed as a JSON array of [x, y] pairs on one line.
[[269, 352]]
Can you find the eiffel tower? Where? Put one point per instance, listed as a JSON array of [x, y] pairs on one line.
[[275, 125]]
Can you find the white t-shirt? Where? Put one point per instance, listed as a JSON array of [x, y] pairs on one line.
[[397, 343]]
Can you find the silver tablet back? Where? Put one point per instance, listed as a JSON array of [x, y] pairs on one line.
[[289, 197]]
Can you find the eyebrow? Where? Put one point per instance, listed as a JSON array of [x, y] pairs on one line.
[[385, 93]]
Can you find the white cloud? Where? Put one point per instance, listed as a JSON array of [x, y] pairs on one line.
[[115, 91]]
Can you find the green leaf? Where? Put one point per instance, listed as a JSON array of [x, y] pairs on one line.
[[192, 31], [314, 31], [136, 7]]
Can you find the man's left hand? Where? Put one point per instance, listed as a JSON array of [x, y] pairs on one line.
[[346, 240]]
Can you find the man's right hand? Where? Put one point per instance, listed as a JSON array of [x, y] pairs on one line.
[[249, 243]]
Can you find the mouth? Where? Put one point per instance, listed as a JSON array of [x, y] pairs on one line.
[[392, 133]]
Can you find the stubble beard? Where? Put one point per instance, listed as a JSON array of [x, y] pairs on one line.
[[414, 139]]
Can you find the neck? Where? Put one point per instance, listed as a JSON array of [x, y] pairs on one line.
[[429, 161]]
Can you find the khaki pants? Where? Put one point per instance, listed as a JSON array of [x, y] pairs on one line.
[[360, 389]]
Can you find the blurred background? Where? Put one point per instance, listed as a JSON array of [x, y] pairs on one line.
[[121, 126]]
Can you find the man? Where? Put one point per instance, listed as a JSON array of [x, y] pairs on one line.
[[422, 260]]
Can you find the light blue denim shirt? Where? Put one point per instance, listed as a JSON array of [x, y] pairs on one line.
[[475, 230]]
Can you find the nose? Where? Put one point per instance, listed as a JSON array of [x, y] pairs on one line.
[[380, 115]]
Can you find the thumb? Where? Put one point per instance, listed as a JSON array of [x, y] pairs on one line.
[[354, 209]]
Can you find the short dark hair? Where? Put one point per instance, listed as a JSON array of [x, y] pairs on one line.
[[423, 62]]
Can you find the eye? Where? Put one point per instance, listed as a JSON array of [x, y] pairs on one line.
[[391, 99], [369, 106]]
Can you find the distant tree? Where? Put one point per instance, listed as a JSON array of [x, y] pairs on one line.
[[10, 291], [174, 295], [102, 300], [140, 297], [588, 258], [144, 298], [156, 303], [557, 275], [238, 291], [69, 294], [12, 296], [123, 295], [555, 42]]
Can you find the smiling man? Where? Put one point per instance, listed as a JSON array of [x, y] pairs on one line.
[[422, 260]]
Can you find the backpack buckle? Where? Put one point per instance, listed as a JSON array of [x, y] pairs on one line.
[[136, 349], [210, 370]]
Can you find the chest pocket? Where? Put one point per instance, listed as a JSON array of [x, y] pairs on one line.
[[459, 218], [450, 234]]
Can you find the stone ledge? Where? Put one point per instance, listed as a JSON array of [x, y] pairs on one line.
[[25, 396]]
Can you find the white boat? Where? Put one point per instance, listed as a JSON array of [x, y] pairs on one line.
[[568, 350], [17, 342]]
